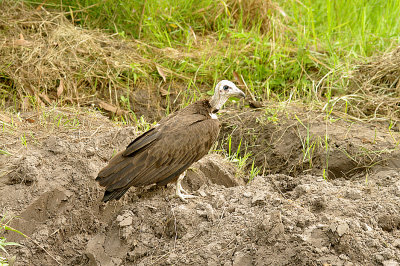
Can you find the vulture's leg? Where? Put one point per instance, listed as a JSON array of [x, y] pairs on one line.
[[179, 189]]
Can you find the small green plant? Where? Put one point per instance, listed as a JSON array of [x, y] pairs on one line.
[[23, 140], [5, 152], [240, 160], [141, 124], [309, 145], [3, 241], [254, 171]]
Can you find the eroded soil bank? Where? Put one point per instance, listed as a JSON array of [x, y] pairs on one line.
[[279, 218]]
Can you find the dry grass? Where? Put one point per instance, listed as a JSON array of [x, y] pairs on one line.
[[253, 10], [45, 58], [375, 88], [381, 75]]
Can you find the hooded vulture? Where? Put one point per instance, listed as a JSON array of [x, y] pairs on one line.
[[162, 154]]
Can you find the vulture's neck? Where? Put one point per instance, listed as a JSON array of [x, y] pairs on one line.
[[217, 101]]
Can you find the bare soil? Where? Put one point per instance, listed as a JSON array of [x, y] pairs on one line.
[[290, 215]]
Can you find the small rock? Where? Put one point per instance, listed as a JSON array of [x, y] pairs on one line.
[[276, 201], [342, 228], [210, 212], [379, 258], [259, 199], [242, 259], [120, 218], [247, 194], [301, 190], [390, 263], [343, 257], [396, 243], [95, 251], [127, 221], [325, 250], [277, 225], [333, 227], [353, 194], [320, 225], [366, 227], [202, 193], [138, 252]]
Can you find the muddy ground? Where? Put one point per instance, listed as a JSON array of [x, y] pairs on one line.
[[288, 215]]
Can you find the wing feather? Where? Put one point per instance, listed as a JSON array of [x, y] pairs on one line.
[[141, 142]]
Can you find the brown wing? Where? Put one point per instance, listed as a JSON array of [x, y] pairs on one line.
[[160, 155]]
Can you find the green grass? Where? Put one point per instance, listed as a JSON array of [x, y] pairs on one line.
[[314, 39], [3, 241], [317, 37], [358, 28]]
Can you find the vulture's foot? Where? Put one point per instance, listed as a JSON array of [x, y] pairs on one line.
[[179, 189]]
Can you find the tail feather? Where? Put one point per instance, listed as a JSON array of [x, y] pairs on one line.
[[114, 194]]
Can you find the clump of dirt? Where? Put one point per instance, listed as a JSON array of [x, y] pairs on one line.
[[213, 169], [276, 219]]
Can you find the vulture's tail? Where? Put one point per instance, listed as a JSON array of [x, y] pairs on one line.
[[114, 194]]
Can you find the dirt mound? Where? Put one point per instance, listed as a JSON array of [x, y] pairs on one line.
[[212, 169], [292, 140], [276, 219]]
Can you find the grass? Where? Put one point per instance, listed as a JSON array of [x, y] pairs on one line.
[[239, 157], [282, 52], [3, 241]]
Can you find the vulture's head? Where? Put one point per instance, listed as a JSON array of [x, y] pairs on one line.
[[223, 91]]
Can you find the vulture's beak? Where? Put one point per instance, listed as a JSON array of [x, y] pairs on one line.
[[238, 93]]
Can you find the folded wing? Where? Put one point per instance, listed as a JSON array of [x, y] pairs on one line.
[[159, 155]]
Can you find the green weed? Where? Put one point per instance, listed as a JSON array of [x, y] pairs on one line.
[[23, 140], [309, 144], [5, 152], [240, 158], [3, 241]]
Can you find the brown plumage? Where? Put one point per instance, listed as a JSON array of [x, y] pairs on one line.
[[163, 153]]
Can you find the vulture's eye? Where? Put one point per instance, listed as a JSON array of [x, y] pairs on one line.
[[226, 87]]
